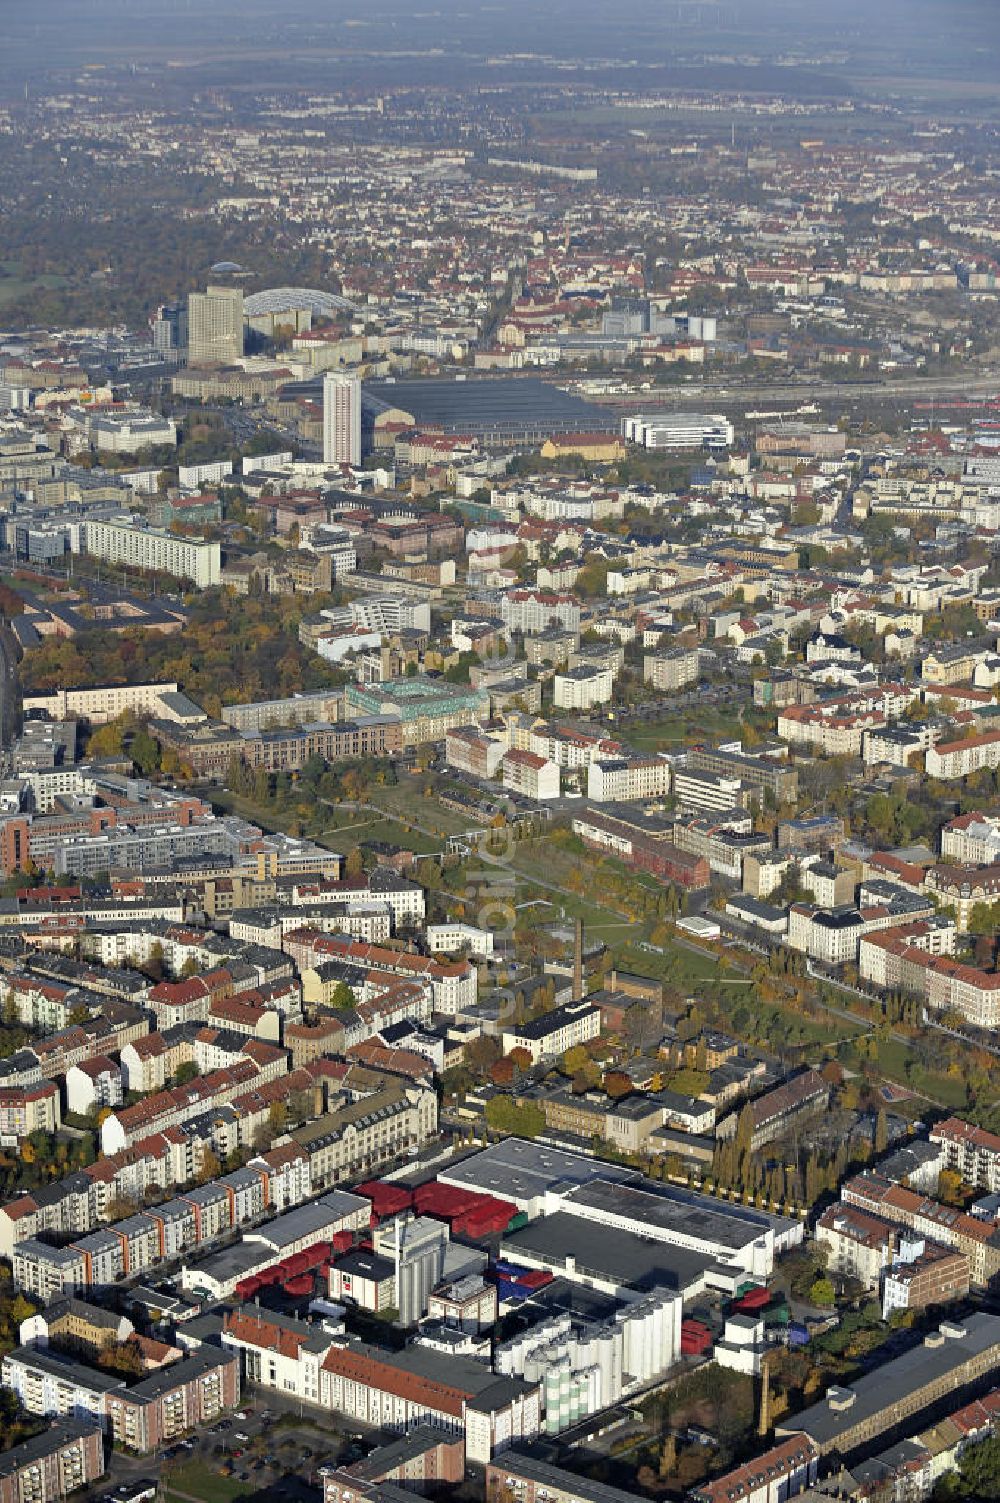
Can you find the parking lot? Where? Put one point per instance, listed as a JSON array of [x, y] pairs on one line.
[[269, 1452]]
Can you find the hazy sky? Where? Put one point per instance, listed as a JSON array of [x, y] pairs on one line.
[[54, 38]]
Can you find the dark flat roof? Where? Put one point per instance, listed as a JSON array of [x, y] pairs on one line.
[[607, 1252], [518, 404]]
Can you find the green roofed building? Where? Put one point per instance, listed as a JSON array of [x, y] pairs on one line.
[[427, 707]]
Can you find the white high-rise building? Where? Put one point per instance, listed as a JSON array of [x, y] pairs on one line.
[[341, 419]]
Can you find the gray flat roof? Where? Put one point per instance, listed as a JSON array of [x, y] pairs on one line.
[[880, 1389], [40, 1446], [517, 1464], [524, 1170], [304, 1221], [607, 1252], [65, 1368], [667, 1210]]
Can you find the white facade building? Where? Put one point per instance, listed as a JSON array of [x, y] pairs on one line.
[[341, 419]]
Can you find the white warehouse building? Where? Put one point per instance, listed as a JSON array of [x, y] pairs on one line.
[[679, 430]]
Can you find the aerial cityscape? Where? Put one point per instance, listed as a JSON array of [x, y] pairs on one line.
[[500, 752]]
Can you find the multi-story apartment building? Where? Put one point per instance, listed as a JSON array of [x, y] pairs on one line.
[[972, 839], [471, 750], [515, 1477], [170, 1108], [51, 1384], [623, 780], [46, 1271], [944, 982], [453, 983], [530, 775], [162, 1408], [364, 1134], [978, 1240], [971, 1151], [961, 888], [582, 688], [48, 1467], [781, 1472], [101, 703], [145, 548], [670, 671], [28, 1109], [958, 759], [531, 612]]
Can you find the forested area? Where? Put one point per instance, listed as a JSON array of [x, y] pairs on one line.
[[232, 650]]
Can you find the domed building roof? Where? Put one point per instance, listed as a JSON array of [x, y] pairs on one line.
[[284, 299]]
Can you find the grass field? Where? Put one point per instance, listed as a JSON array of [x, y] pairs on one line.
[[362, 828], [703, 724], [194, 1479], [892, 1058], [14, 286], [406, 801]]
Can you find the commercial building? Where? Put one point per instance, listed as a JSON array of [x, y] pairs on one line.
[[679, 430], [324, 705], [341, 419], [605, 1258], [494, 410], [546, 1181], [767, 774], [733, 1235], [706, 790], [552, 1034], [419, 1385], [129, 432], [215, 326]]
